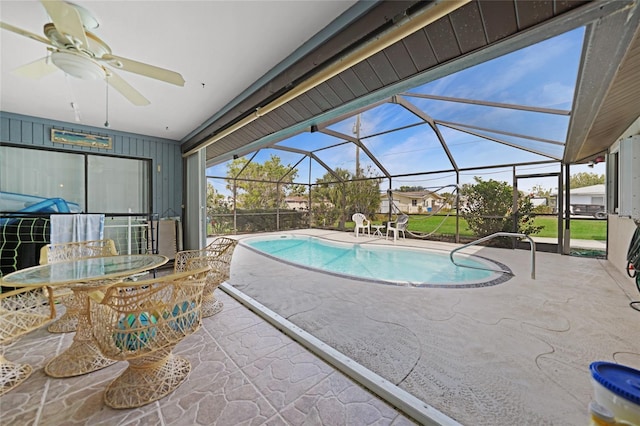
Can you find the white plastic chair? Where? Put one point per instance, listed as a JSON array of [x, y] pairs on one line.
[[361, 222], [400, 226]]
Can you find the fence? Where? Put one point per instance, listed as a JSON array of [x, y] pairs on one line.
[[247, 221]]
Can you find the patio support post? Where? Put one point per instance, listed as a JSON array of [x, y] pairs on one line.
[[310, 210], [343, 202], [458, 207], [235, 202], [559, 209], [389, 200], [567, 214], [514, 179], [277, 206]]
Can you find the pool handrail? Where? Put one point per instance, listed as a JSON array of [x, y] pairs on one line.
[[489, 237]]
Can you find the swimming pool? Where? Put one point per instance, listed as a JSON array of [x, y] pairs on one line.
[[382, 264]]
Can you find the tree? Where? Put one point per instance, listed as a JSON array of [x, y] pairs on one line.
[[582, 179], [298, 190], [329, 198], [217, 207], [405, 188], [540, 191], [215, 201], [260, 186], [488, 208], [339, 201], [363, 196]]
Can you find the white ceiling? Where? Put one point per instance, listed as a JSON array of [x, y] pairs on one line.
[[219, 47]]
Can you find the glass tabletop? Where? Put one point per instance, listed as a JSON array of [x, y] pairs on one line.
[[84, 270]]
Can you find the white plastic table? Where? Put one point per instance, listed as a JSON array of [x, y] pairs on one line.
[[377, 230]]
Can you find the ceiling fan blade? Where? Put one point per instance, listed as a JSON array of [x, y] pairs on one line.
[[67, 20], [118, 83], [144, 69], [25, 33], [36, 69]]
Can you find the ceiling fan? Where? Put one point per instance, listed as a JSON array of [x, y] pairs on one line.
[[80, 53]]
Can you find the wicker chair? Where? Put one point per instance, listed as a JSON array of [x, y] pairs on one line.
[[141, 322], [219, 254], [21, 311], [52, 253]]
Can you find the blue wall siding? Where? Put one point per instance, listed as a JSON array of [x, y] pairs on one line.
[[166, 184]]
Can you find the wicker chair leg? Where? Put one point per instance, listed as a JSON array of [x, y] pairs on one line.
[[147, 379], [210, 304], [12, 374]]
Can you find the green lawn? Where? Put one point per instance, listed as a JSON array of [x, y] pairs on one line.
[[586, 229], [582, 229]]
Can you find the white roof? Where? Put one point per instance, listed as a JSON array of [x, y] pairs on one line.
[[588, 190]]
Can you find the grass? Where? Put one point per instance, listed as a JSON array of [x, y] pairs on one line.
[[582, 229], [445, 225]]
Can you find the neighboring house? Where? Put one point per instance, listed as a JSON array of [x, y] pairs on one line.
[[594, 195], [588, 200], [413, 202], [297, 203]]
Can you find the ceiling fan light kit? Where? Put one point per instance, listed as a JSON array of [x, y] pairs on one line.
[[78, 66]]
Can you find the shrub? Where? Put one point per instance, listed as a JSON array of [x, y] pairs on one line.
[[488, 208]]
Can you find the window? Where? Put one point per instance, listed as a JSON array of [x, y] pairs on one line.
[[52, 181], [106, 178], [41, 181]]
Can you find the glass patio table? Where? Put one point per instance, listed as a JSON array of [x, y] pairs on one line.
[[82, 276]]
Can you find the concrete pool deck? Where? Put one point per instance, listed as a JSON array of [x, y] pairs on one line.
[[513, 354], [518, 352]]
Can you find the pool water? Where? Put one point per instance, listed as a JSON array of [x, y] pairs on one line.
[[393, 265]]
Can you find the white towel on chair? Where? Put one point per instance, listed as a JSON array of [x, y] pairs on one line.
[[67, 228]]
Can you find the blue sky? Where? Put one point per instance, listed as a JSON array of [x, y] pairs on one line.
[[542, 75]]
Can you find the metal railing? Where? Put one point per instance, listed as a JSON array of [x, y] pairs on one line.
[[23, 234], [132, 234], [490, 237]]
